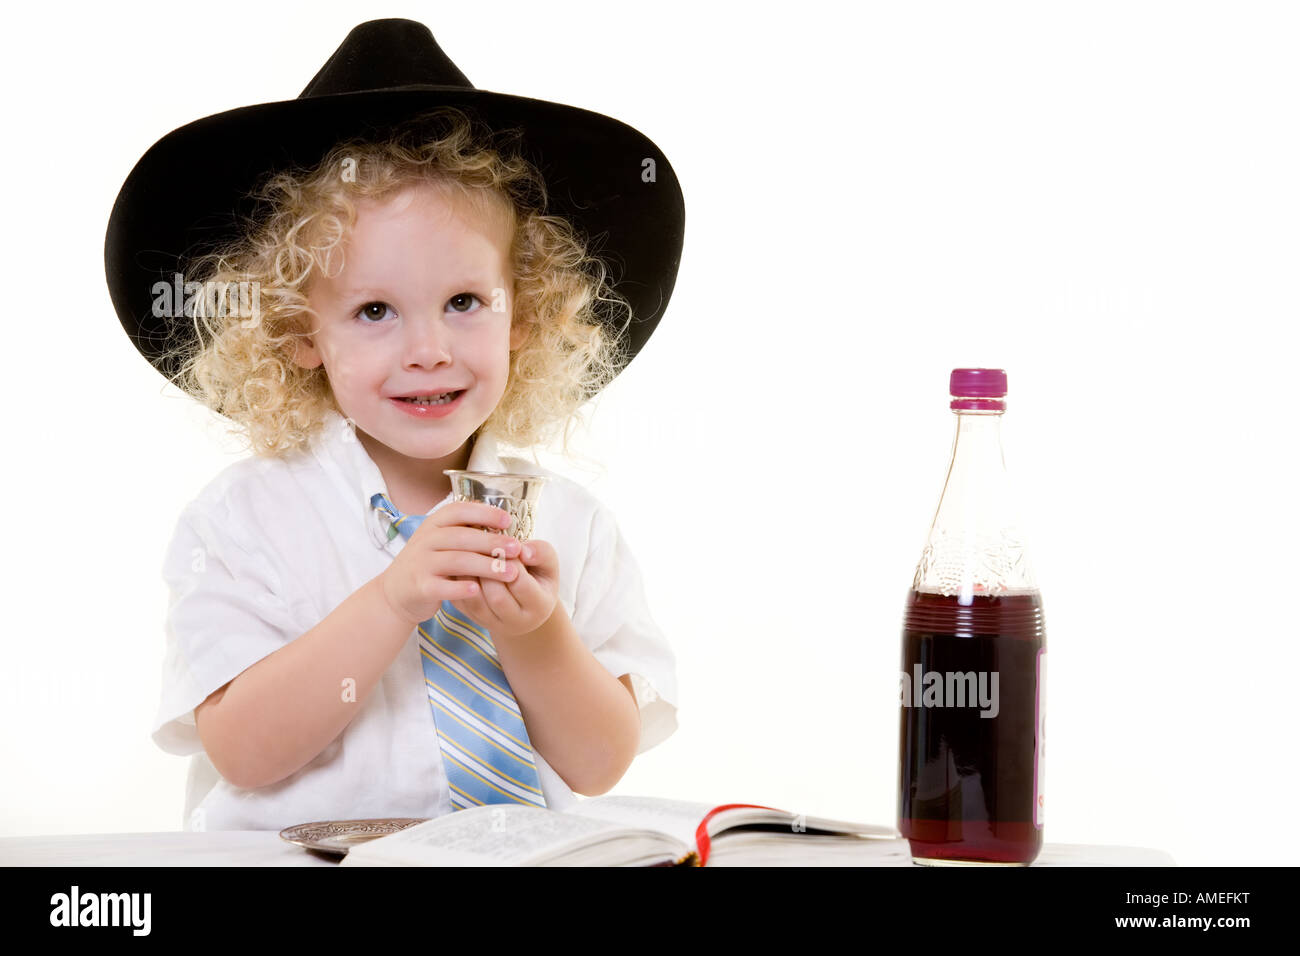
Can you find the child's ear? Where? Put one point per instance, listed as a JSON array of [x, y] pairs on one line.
[[305, 353], [518, 333]]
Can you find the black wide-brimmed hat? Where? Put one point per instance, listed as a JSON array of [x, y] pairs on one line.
[[192, 190]]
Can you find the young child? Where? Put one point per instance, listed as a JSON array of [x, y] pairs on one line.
[[344, 640]]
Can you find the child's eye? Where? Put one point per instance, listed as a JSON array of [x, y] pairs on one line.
[[463, 299], [368, 311]]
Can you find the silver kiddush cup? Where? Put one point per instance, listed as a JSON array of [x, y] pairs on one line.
[[516, 494]]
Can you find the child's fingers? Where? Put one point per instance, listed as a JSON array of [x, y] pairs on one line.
[[474, 514], [500, 600], [464, 564], [524, 589], [474, 609], [457, 538], [539, 553]]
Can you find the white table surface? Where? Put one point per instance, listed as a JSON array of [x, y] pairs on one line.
[[265, 848]]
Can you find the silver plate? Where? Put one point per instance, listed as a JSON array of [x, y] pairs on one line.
[[338, 836]]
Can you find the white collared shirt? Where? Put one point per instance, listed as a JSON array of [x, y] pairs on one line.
[[272, 545]]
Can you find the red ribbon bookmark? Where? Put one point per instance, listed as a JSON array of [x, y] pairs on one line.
[[702, 831]]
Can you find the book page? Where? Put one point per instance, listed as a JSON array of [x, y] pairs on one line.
[[808, 849], [496, 835], [677, 818]]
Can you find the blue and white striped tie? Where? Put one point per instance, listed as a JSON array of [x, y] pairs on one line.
[[485, 746]]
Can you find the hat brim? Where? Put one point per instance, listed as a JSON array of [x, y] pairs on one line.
[[190, 191]]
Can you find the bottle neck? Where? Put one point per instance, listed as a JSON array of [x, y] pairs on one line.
[[977, 445]]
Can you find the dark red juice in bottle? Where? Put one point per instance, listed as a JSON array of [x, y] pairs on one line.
[[970, 728], [972, 724]]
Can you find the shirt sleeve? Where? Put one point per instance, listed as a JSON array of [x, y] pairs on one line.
[[613, 619], [226, 611]]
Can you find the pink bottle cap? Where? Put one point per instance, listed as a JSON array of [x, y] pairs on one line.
[[978, 389]]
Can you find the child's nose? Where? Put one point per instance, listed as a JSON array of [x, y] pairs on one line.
[[427, 341]]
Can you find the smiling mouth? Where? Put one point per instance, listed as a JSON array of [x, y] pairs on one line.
[[442, 399]]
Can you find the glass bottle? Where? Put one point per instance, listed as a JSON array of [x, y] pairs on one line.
[[971, 738]]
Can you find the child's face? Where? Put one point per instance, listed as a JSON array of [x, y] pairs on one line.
[[412, 312]]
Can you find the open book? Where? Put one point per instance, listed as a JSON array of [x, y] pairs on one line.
[[622, 831]]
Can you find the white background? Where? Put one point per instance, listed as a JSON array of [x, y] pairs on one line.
[[1101, 198]]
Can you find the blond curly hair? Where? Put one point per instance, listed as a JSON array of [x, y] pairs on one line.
[[245, 370]]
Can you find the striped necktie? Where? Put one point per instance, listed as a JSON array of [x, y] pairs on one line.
[[481, 732]]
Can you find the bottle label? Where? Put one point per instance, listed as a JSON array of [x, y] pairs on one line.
[[1040, 738]]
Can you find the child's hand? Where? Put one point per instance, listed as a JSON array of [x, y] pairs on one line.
[[522, 604], [450, 556]]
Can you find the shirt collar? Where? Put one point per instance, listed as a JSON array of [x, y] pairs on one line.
[[357, 478]]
